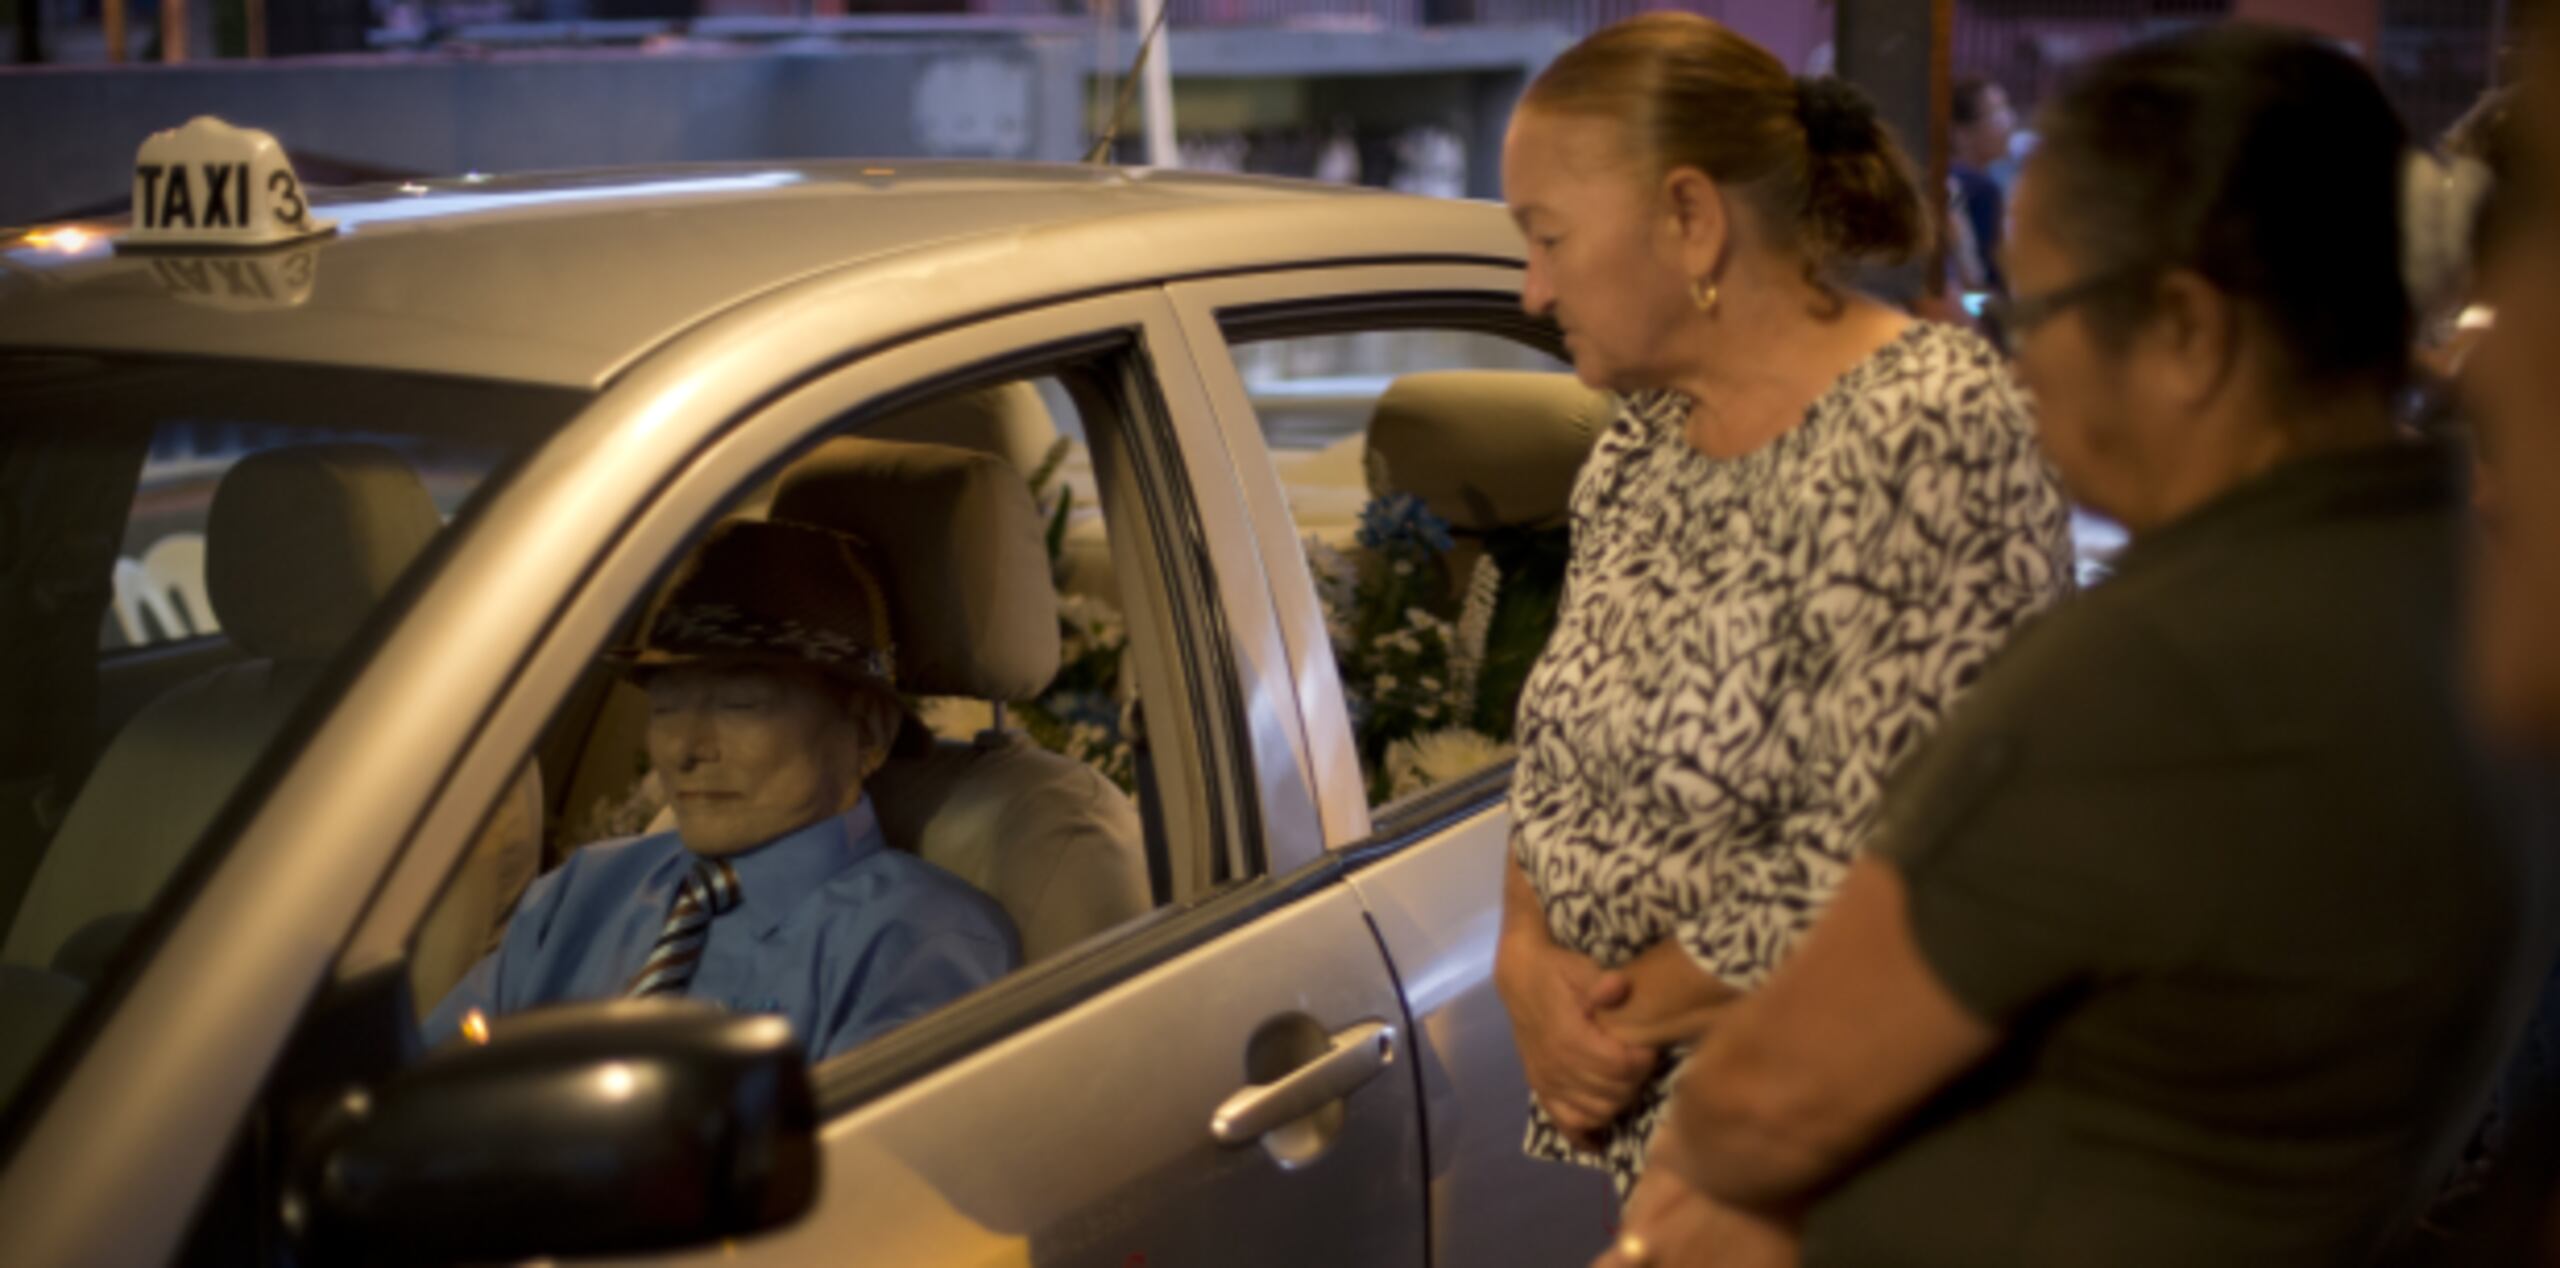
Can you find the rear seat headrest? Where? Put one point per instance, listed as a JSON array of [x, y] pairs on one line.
[[1008, 420], [1485, 449], [970, 599], [302, 543]]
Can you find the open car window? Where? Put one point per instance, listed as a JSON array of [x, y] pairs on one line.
[[1427, 471], [1014, 812]]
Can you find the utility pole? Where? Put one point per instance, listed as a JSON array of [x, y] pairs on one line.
[[1901, 54]]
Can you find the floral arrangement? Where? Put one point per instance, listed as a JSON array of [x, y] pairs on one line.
[[1431, 670]]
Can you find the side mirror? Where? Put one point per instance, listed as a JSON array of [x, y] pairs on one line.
[[588, 1129]]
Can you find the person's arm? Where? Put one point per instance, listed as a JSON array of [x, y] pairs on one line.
[[1953, 536], [482, 988], [1793, 1086], [915, 968], [1580, 1074]]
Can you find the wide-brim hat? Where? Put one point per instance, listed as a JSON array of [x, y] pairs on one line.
[[771, 592]]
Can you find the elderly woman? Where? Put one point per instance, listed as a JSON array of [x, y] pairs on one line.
[[1812, 522], [2196, 934]]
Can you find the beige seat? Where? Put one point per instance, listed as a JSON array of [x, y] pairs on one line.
[[1012, 422], [301, 545], [1486, 449], [975, 615]]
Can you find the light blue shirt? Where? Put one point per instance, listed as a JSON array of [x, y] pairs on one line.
[[834, 931]]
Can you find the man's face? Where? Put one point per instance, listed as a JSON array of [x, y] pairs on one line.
[[2513, 382], [1986, 140], [749, 754]]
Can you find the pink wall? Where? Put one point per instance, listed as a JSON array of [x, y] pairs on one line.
[[2358, 22], [1792, 29]]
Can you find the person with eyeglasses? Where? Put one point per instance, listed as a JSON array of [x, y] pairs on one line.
[[2197, 932]]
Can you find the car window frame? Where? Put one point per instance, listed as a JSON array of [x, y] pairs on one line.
[[1219, 313], [1165, 460]]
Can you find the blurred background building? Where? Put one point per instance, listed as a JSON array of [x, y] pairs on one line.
[[1404, 93]]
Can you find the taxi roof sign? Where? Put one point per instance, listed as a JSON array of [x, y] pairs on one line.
[[210, 185]]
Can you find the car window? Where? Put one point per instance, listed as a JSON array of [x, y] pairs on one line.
[[1427, 471], [1001, 809], [190, 548]]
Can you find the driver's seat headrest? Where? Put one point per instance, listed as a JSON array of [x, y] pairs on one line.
[[1486, 449], [302, 544], [971, 604], [1008, 420]]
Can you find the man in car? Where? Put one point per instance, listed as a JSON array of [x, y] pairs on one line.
[[771, 701]]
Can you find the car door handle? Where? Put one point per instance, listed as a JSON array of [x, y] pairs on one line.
[[1357, 1055]]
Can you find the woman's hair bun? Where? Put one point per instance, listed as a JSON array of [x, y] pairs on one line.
[[1837, 118]]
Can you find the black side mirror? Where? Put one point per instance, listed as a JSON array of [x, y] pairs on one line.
[[588, 1129]]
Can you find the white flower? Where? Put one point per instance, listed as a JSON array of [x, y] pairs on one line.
[[1438, 757], [1404, 567], [1383, 683], [1430, 684]]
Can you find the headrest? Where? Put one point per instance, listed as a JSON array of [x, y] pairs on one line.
[[1009, 421], [1485, 449], [970, 599], [303, 542]]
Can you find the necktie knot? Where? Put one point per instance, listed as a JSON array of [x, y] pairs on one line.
[[706, 891], [714, 884]]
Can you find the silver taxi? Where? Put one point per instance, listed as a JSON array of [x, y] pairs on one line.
[[312, 543]]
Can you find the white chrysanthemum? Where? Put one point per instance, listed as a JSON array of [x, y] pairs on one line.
[[1438, 757]]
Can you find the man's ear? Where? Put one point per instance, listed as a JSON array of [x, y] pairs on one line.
[[2195, 337], [1701, 223], [873, 717]]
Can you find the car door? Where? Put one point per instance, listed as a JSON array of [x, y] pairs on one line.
[[1428, 867], [1225, 1080]]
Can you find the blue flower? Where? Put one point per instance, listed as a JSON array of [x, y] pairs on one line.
[[1398, 519]]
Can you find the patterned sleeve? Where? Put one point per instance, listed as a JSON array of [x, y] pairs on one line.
[[1930, 541]]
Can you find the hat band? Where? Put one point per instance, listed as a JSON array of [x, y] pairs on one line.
[[716, 628]]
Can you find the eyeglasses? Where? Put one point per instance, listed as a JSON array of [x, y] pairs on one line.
[[2010, 317]]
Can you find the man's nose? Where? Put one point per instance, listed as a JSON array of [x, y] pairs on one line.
[[1536, 297], [697, 740]]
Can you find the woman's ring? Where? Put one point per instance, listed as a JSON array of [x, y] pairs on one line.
[[1633, 1252]]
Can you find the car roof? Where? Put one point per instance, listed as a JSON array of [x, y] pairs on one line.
[[566, 278]]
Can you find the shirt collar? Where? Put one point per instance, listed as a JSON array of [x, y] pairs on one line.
[[775, 877]]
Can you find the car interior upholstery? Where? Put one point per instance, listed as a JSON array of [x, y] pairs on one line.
[[301, 544], [975, 615]]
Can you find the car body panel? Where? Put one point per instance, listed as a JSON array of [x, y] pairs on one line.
[[1085, 1140], [1437, 905], [570, 279]]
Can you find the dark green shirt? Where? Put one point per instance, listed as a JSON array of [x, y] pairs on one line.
[[2210, 845]]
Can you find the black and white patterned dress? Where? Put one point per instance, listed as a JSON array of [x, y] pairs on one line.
[[1748, 646]]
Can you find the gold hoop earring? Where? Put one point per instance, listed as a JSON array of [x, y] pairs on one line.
[[1703, 293]]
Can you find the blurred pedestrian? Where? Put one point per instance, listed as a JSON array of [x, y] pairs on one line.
[[1813, 520], [1981, 127], [2511, 381], [2197, 934]]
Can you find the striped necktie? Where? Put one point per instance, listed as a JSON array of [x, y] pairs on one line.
[[708, 890]]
